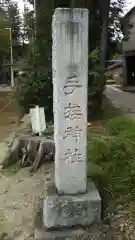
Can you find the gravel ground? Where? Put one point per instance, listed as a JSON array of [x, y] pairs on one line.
[[20, 195], [20, 192]]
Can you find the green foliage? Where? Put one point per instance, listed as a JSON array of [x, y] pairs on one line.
[[116, 158], [29, 25], [15, 24], [94, 56], [95, 95], [35, 86], [4, 42], [33, 89], [110, 81], [108, 111], [95, 87], [13, 20], [10, 34], [113, 158], [121, 125], [4, 34], [43, 46], [116, 56]]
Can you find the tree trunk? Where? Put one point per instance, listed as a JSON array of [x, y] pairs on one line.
[[104, 37], [78, 3], [72, 4], [30, 151]]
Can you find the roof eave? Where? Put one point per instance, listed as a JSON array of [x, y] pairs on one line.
[[129, 12]]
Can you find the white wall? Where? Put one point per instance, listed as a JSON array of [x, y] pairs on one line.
[[130, 44]]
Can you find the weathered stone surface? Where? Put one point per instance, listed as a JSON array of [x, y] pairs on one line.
[[69, 234], [71, 203], [71, 210], [70, 71]]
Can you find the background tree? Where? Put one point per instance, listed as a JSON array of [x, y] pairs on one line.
[[4, 42], [15, 24], [12, 23], [103, 39]]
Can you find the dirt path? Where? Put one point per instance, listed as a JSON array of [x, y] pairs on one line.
[[20, 194], [123, 100], [8, 113], [7, 124]]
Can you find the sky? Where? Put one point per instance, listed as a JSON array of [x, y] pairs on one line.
[[21, 4], [131, 3]]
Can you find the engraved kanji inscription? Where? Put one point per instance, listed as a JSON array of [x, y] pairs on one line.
[[74, 132], [73, 112], [68, 211], [72, 81], [80, 209], [74, 211], [73, 156], [71, 84]]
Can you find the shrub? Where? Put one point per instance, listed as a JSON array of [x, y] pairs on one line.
[[117, 86], [95, 95], [115, 159], [35, 88], [95, 86], [111, 159], [110, 81], [108, 110]]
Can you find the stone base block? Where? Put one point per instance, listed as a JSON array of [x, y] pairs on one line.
[[65, 211], [69, 234], [92, 233]]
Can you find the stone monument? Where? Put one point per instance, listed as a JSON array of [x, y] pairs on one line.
[[38, 122], [74, 202]]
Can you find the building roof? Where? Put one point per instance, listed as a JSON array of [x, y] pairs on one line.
[[115, 65], [114, 60], [129, 12]]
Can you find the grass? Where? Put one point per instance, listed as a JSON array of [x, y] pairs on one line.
[[109, 111], [121, 125], [111, 158]]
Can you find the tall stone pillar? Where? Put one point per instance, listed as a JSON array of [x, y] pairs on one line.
[[74, 201], [70, 77]]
